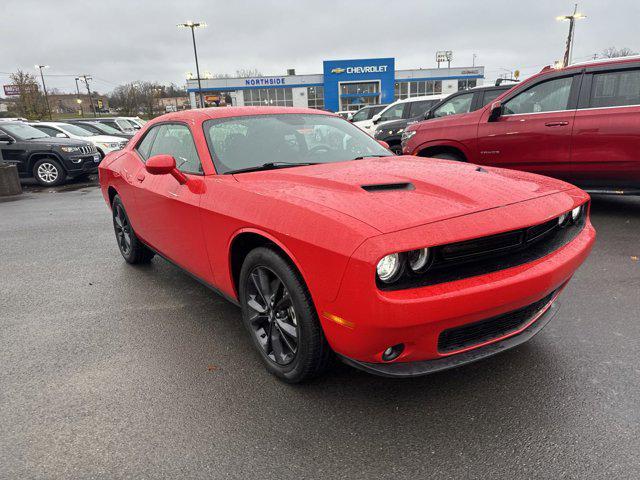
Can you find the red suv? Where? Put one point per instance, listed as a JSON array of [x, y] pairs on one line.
[[580, 124]]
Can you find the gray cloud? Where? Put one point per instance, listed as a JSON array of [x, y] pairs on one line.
[[118, 41]]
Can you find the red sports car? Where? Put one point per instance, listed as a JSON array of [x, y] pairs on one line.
[[329, 243]]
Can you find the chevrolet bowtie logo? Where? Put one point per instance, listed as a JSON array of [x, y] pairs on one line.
[[337, 70]]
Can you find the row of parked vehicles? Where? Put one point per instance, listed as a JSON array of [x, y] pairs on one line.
[[580, 124], [51, 152]]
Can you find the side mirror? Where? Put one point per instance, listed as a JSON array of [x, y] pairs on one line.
[[6, 139], [496, 111], [165, 165], [136, 127], [384, 144], [375, 118], [62, 135], [429, 114]]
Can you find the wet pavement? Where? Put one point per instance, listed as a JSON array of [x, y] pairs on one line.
[[113, 371]]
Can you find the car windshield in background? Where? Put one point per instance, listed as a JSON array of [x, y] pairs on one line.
[[241, 143], [104, 128], [76, 130], [24, 132], [126, 124]]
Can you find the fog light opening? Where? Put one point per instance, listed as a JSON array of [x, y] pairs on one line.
[[392, 353]]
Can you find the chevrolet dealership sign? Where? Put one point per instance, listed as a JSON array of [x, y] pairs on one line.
[[361, 70]]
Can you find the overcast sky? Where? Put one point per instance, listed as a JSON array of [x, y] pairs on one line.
[[120, 41]]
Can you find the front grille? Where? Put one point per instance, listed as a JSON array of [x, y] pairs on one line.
[[88, 149], [456, 261], [485, 330]]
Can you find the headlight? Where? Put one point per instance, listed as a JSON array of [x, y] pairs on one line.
[[389, 268], [576, 213], [419, 259], [400, 130], [109, 145], [562, 219], [70, 149], [407, 134]]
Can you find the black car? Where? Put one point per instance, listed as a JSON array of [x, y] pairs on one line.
[[463, 101], [100, 128], [47, 159]]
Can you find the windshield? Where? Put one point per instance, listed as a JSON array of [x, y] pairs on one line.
[[250, 141], [24, 132], [104, 128], [360, 115], [126, 124], [76, 130]]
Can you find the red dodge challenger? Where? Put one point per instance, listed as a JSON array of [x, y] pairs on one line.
[[329, 243]]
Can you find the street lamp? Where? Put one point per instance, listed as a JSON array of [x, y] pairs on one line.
[[44, 87], [572, 20], [193, 26], [78, 100]]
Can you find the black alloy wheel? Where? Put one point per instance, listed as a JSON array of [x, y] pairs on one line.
[[272, 315], [131, 248]]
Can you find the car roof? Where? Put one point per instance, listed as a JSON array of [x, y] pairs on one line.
[[203, 114], [437, 96]]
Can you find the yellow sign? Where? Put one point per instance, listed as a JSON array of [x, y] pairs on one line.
[[337, 70], [516, 74]]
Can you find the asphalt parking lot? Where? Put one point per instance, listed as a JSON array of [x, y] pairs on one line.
[[112, 371]]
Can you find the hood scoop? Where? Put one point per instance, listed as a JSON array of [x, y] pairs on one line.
[[386, 187]]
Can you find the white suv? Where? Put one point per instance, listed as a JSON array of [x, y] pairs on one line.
[[400, 110], [104, 143]]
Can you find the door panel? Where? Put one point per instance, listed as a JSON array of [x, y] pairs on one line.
[[606, 137], [534, 131]]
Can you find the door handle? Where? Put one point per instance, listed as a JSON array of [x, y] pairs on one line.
[[556, 124]]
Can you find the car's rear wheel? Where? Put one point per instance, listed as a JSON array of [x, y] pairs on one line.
[[131, 248], [278, 311], [48, 172]]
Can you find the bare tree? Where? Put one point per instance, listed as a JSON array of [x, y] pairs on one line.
[[30, 103], [613, 52], [136, 97]]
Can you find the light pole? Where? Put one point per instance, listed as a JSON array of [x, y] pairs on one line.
[[193, 26], [572, 20], [79, 100], [44, 87], [86, 79]]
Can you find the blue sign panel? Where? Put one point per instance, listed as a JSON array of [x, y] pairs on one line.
[[372, 69]]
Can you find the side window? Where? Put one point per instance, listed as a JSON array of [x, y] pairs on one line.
[[144, 146], [418, 109], [615, 89], [548, 96], [455, 106], [393, 113], [176, 140], [490, 96], [52, 132]]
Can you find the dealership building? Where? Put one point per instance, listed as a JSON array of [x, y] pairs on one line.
[[343, 85]]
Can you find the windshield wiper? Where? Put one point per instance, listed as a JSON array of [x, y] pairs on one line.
[[270, 166], [370, 156]]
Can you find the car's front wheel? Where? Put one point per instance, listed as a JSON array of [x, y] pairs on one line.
[[48, 172], [131, 248], [278, 311]]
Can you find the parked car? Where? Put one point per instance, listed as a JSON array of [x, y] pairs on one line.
[[399, 110], [136, 121], [346, 114], [402, 266], [104, 143], [119, 123], [365, 114], [391, 132], [465, 101], [100, 128], [47, 159], [578, 123]]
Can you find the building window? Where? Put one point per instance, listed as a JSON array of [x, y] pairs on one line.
[[467, 83], [417, 88], [315, 97], [264, 97]]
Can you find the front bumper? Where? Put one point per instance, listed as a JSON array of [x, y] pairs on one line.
[[82, 164], [426, 367]]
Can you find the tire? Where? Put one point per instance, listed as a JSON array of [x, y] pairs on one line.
[[131, 248], [272, 325], [48, 172], [396, 148], [448, 156]]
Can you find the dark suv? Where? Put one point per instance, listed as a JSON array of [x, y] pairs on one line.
[[48, 159]]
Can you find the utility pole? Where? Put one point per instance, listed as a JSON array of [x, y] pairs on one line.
[[79, 100], [572, 20], [86, 79], [44, 87], [193, 26]]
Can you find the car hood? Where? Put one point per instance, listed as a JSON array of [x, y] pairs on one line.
[[394, 193], [58, 142]]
